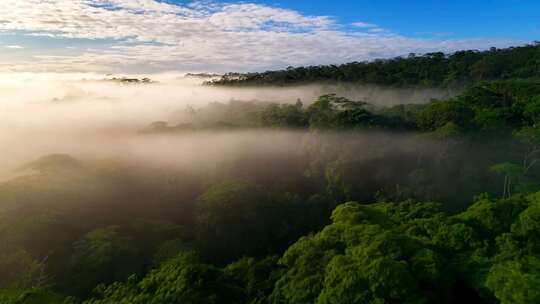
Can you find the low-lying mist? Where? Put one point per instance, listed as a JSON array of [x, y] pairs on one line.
[[89, 116]]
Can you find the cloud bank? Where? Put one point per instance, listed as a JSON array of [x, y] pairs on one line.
[[150, 35]]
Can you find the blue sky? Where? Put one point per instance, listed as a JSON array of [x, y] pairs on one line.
[[518, 19], [149, 36]]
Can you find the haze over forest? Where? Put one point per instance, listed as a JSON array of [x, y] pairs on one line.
[[248, 152]]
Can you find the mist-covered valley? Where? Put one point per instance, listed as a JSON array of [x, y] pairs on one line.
[[169, 188]]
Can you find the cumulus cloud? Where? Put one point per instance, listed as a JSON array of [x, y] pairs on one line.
[[150, 35]]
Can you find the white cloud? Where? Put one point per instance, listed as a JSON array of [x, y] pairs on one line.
[[364, 24], [202, 35], [14, 47], [377, 30]]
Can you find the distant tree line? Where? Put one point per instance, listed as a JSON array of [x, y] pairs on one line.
[[427, 70], [486, 107]]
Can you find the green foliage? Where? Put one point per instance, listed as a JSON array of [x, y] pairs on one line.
[[283, 116], [182, 279], [256, 278], [38, 233], [516, 282], [322, 113], [515, 274], [511, 172], [413, 253], [102, 256], [428, 70], [18, 269], [531, 108], [408, 252], [32, 296], [358, 260], [334, 112], [480, 108], [438, 114], [528, 223], [170, 249], [528, 135], [508, 169], [231, 219], [494, 216]]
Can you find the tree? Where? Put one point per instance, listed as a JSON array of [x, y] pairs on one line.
[[322, 113], [331, 111], [428, 70], [102, 256], [231, 220], [511, 172], [439, 114], [358, 259], [19, 269], [283, 116], [516, 282], [255, 277], [181, 280], [530, 138]]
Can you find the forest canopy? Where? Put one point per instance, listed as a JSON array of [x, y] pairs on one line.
[[331, 200], [425, 70]]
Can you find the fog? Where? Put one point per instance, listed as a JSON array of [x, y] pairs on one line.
[[86, 116]]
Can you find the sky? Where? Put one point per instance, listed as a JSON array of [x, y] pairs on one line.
[[153, 36]]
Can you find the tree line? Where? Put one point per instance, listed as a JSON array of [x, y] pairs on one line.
[[423, 70]]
